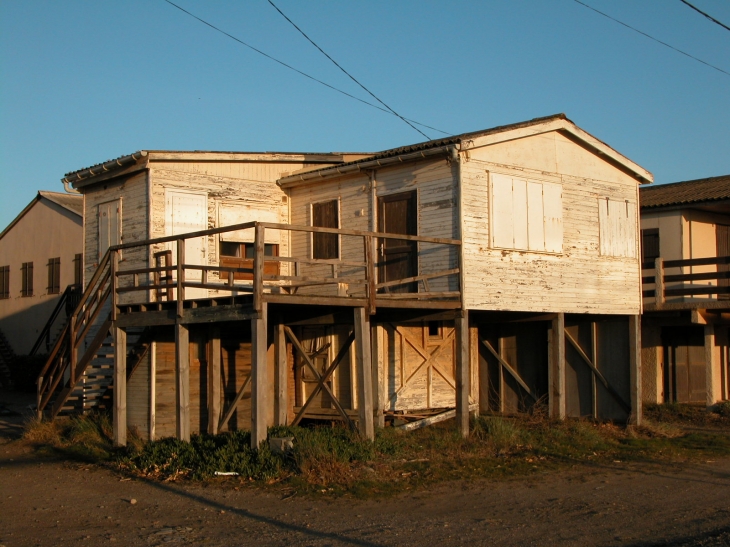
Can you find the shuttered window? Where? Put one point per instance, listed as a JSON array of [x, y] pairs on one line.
[[649, 245], [325, 215], [526, 215], [78, 268], [54, 275], [617, 227], [26, 273], [4, 281]]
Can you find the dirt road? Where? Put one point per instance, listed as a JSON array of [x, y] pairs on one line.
[[45, 502]]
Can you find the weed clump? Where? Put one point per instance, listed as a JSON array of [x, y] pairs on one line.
[[86, 437]]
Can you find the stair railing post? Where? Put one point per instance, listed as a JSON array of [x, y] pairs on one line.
[[72, 348], [113, 268], [180, 276], [370, 256]]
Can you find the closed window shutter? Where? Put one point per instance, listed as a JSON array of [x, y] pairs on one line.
[[502, 233]]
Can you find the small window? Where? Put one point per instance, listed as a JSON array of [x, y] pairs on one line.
[[434, 329], [325, 215], [649, 245], [230, 248], [246, 250], [54, 275], [26, 273], [78, 269], [617, 227], [4, 281]]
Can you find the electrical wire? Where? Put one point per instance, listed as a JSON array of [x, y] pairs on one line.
[[282, 63], [323, 52], [710, 17], [652, 38]]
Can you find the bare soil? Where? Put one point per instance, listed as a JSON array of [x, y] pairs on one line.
[[46, 501]]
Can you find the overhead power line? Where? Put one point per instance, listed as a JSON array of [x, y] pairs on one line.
[[652, 38], [282, 63], [710, 17], [323, 52]]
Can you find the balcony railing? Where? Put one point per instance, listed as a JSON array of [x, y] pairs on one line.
[[669, 281]]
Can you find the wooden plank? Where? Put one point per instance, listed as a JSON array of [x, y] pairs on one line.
[[120, 387], [259, 368], [509, 369], [379, 394], [232, 407], [637, 411], [153, 391], [180, 276], [214, 379], [710, 365], [556, 371], [462, 372], [282, 375], [364, 367], [441, 417], [182, 374]]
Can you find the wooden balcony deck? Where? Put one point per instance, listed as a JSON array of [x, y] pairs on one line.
[[694, 284]]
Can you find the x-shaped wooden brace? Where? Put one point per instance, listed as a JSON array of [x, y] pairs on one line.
[[428, 357], [321, 378]]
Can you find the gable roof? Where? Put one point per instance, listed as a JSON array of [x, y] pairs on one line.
[[556, 122], [686, 192], [71, 202]]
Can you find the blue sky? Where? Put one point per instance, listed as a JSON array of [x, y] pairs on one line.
[[84, 81]]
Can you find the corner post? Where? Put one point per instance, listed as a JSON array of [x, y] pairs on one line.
[[462, 372], [556, 370], [712, 382], [180, 276], [258, 268], [282, 376], [214, 380], [182, 370], [364, 366], [659, 281], [259, 380], [120, 387], [637, 411]]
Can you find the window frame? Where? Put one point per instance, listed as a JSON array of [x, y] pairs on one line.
[[650, 232], [54, 275], [26, 286], [4, 282], [548, 232], [79, 269], [315, 236]]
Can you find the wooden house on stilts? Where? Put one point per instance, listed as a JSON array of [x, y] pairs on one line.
[[482, 272]]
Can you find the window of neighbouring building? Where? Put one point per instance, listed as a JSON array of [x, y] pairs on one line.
[[26, 273], [54, 275], [4, 281], [649, 244], [78, 268]]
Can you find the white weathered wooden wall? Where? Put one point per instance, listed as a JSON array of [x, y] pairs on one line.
[[577, 280]]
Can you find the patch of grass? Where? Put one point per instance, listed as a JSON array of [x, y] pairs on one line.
[[84, 437], [335, 461]]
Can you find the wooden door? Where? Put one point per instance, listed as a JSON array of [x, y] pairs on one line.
[[723, 249], [685, 361], [188, 212], [397, 214], [110, 226]]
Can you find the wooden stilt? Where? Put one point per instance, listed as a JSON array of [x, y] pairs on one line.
[[153, 390], [182, 370], [259, 387], [376, 353], [556, 370], [364, 367], [282, 375], [711, 376], [214, 380], [120, 386], [637, 411], [462, 372]]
